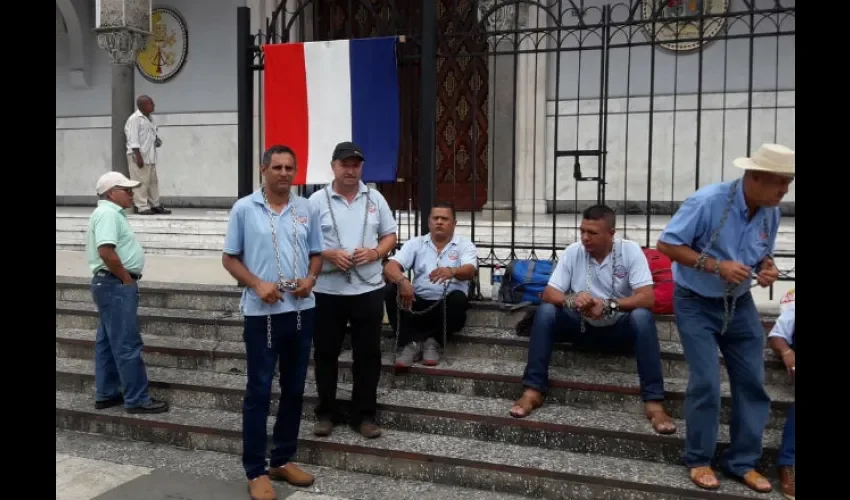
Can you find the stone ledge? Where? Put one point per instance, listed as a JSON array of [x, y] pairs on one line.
[[769, 311], [553, 426], [462, 462]]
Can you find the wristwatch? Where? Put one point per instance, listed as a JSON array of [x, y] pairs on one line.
[[612, 307]]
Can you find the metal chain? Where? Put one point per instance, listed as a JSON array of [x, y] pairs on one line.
[[729, 302], [588, 275], [354, 270], [281, 281], [440, 301]]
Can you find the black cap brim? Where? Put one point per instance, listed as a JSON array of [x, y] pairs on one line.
[[345, 155]]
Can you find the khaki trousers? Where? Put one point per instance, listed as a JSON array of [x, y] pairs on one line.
[[146, 196]]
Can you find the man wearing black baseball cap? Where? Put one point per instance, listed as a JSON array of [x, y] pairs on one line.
[[346, 150], [358, 232]]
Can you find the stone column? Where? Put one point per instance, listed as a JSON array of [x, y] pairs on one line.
[[531, 120], [524, 98], [122, 28]]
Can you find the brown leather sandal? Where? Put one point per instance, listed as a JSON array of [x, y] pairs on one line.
[[704, 477], [661, 422], [756, 482], [525, 405]]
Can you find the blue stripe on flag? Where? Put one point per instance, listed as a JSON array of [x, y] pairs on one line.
[[375, 106]]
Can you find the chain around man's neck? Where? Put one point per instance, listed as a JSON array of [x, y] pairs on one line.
[[283, 201], [348, 195]]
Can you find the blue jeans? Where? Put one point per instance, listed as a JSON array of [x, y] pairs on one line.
[[118, 346], [699, 320], [786, 449], [635, 330], [292, 349]]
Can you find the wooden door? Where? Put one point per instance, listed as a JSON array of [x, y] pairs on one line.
[[462, 86]]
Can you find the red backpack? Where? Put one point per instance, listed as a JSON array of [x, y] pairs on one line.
[[662, 275]]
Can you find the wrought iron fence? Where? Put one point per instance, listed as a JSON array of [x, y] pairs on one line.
[[526, 112]]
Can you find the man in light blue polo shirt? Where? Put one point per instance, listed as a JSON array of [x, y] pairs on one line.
[[273, 248], [116, 260], [434, 306], [358, 232], [599, 297], [722, 236]]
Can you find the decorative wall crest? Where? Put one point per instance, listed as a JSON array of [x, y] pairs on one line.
[[669, 27], [165, 53]]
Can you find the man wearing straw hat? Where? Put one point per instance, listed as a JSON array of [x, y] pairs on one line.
[[721, 238]]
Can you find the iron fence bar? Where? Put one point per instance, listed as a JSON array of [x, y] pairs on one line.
[[699, 105], [427, 112], [245, 101], [649, 148]]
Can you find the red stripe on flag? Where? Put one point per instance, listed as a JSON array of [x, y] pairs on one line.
[[285, 101]]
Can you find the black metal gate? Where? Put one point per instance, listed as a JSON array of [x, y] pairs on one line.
[[520, 111]]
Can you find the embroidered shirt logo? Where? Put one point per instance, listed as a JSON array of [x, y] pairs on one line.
[[620, 271]]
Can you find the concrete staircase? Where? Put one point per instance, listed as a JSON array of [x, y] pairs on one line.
[[447, 425], [198, 232]]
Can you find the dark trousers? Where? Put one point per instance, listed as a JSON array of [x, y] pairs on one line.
[[699, 320], [366, 313], [788, 448], [418, 328], [633, 331], [292, 349]]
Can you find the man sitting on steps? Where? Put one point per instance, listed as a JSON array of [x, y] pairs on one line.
[[599, 297], [443, 265]]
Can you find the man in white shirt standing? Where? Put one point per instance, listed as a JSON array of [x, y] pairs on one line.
[[142, 143], [599, 297]]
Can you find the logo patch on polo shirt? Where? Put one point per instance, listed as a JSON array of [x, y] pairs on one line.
[[620, 271]]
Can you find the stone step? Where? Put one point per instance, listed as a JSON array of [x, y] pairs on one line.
[[501, 467], [214, 470], [203, 234], [593, 387], [190, 234], [472, 342], [553, 426], [218, 305], [226, 325]]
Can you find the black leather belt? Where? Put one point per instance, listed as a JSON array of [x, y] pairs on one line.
[[104, 272]]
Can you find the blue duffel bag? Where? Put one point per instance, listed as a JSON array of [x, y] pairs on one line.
[[524, 281]]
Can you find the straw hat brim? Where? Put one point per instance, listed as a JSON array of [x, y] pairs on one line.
[[746, 163]]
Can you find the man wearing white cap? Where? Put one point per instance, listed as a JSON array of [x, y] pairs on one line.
[[719, 239], [116, 260]]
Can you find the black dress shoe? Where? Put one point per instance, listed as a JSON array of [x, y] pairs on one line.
[[109, 403], [152, 406], [161, 210]]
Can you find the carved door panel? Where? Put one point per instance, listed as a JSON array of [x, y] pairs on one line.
[[461, 156], [462, 125]]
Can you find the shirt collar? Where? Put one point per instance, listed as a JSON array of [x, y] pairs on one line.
[[112, 205], [257, 197], [362, 189]]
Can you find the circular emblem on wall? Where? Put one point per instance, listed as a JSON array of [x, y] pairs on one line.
[[168, 44], [668, 27]]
